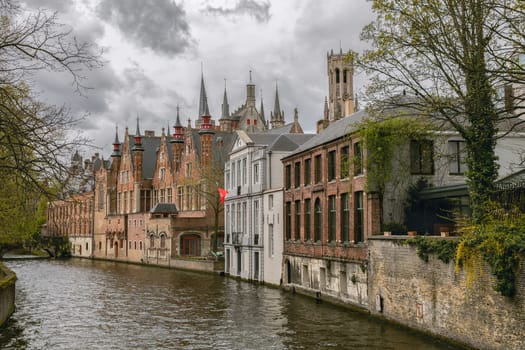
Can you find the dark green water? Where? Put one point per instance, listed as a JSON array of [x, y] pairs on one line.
[[84, 304]]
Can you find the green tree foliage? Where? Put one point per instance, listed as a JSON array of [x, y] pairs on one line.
[[449, 57], [386, 143], [35, 138]]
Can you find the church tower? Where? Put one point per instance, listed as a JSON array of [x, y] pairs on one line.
[[277, 116], [340, 85]]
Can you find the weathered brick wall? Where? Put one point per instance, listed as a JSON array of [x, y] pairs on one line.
[[433, 298], [341, 281], [7, 293]]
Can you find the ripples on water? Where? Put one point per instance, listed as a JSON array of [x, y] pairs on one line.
[[84, 304]]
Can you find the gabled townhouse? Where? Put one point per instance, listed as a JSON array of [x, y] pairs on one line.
[[156, 200], [253, 206]]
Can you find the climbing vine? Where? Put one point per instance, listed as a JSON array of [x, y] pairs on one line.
[[499, 241], [386, 143]]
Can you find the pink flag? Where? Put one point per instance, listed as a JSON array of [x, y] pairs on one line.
[[222, 193]]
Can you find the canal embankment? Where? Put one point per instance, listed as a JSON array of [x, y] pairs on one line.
[[7, 293], [436, 298]]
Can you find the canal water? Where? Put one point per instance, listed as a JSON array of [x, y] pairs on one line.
[[85, 304]]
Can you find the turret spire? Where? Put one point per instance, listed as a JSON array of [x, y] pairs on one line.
[[326, 113], [262, 110], [225, 105], [203, 100], [177, 122], [277, 116]]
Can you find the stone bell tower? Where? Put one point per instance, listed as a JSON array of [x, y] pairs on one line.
[[340, 85]]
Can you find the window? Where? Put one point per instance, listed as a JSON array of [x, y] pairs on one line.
[[297, 174], [99, 245], [331, 218], [307, 171], [421, 157], [270, 241], [244, 171], [288, 176], [188, 170], [227, 180], [100, 198], [359, 217], [162, 241], [344, 164], [297, 223], [180, 196], [256, 173], [457, 155], [337, 75], [345, 218], [162, 174], [318, 168], [170, 196], [135, 245], [331, 165], [307, 208], [129, 244], [152, 241], [140, 245], [318, 223], [233, 174], [288, 220], [270, 202], [238, 173], [243, 217], [256, 221], [358, 159]]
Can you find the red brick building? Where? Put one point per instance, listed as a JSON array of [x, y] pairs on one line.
[[328, 214]]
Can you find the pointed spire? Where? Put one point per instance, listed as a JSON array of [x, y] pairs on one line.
[[225, 105], [276, 106], [116, 144], [116, 136], [137, 133], [262, 108], [296, 114], [138, 139], [177, 122], [178, 134], [203, 100]]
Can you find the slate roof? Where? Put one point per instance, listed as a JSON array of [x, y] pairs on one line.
[[280, 142], [164, 208], [219, 153], [335, 130], [151, 145]]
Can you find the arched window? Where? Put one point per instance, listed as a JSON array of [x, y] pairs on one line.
[[162, 241], [99, 245], [140, 245], [337, 78], [151, 241], [318, 223], [135, 245], [345, 75]]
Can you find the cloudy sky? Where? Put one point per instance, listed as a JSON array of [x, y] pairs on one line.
[[154, 49]]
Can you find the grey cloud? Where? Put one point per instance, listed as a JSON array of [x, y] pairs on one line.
[[258, 10], [160, 25], [135, 79], [52, 5]]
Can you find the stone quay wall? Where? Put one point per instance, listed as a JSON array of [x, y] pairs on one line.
[[7, 293], [433, 298]]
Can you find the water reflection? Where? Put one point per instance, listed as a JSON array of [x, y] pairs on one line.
[[84, 304]]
